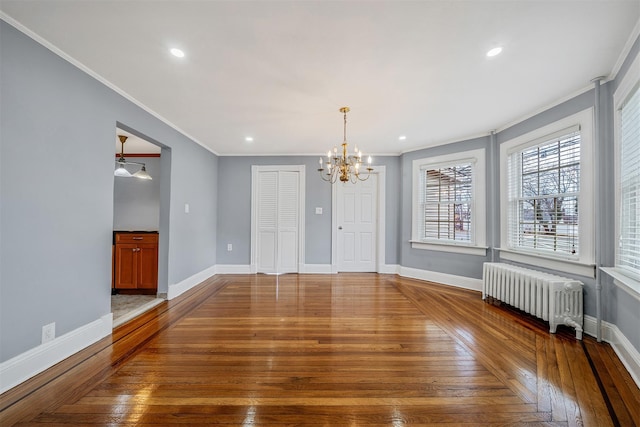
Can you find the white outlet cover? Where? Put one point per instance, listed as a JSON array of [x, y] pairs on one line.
[[186, 208], [48, 332], [318, 211]]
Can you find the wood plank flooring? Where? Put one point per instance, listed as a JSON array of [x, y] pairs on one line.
[[347, 349]]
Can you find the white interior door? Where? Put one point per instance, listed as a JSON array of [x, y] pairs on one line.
[[276, 234], [357, 225]]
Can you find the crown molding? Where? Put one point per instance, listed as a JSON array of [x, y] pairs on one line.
[[42, 41]]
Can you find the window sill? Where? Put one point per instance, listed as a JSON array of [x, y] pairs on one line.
[[624, 282], [565, 266], [450, 247]]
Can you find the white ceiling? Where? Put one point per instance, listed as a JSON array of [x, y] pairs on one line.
[[280, 70]]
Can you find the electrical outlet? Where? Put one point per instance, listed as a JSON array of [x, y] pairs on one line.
[[229, 247], [48, 332]]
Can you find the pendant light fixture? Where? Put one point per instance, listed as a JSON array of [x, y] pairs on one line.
[[344, 166], [122, 162]]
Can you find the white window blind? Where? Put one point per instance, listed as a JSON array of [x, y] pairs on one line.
[[544, 189], [629, 244], [446, 202]]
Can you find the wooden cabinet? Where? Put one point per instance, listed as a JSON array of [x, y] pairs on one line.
[[136, 261]]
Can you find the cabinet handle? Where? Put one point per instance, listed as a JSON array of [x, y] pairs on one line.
[[137, 238]]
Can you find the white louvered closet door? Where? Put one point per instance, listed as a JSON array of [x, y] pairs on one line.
[[278, 213]]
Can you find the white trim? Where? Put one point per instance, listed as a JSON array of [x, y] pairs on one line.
[[565, 266], [96, 76], [626, 352], [621, 95], [624, 282], [444, 142], [233, 269], [255, 170], [190, 282], [389, 269], [443, 278], [450, 247], [316, 269], [381, 172], [477, 245], [549, 106], [30, 363], [635, 33], [586, 202]]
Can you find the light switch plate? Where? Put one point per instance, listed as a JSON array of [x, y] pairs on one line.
[[318, 211]]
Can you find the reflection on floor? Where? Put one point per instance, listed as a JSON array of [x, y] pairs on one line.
[[126, 307]]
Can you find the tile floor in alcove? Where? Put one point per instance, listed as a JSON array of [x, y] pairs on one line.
[[126, 307]]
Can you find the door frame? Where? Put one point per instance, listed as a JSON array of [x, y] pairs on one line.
[[255, 170], [381, 173]]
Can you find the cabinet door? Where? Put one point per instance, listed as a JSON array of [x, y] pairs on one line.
[[147, 265], [126, 266]]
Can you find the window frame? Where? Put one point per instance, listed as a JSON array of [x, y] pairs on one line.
[[477, 244], [584, 263], [623, 277]]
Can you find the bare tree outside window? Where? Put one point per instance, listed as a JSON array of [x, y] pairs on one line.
[[547, 203]]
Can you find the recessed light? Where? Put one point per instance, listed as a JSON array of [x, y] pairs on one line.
[[402, 137], [249, 139], [177, 52], [495, 51]]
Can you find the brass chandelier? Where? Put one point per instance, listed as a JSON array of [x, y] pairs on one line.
[[344, 166]]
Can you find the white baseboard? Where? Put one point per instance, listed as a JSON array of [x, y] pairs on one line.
[[316, 269], [190, 282], [233, 269], [30, 363], [627, 353], [389, 269], [444, 278]]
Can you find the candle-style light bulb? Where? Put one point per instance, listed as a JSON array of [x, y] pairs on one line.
[[329, 153], [369, 160], [335, 149], [320, 161]]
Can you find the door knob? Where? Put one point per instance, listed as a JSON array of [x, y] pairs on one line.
[[339, 227]]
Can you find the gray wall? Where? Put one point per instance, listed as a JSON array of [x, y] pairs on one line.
[[136, 202], [442, 262], [234, 214], [56, 214]]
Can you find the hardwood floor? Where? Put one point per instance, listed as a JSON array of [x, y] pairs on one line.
[[347, 349]]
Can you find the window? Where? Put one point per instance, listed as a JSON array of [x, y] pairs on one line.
[[628, 254], [547, 196], [448, 203], [544, 189]]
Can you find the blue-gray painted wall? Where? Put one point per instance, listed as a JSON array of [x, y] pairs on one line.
[[56, 213], [442, 262], [234, 217], [60, 218]]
